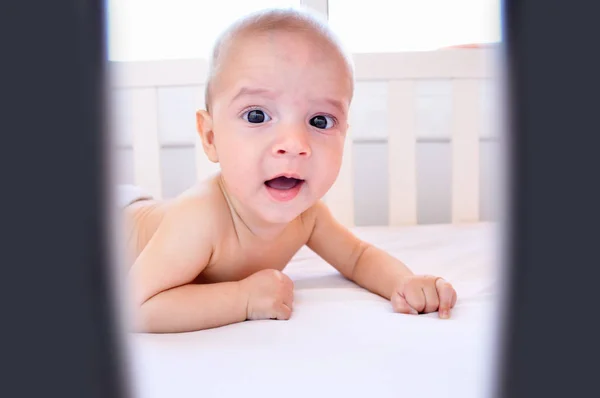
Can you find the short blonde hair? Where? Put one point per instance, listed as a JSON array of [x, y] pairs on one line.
[[274, 19]]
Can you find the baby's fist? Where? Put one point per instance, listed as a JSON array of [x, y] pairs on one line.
[[269, 295], [423, 294]]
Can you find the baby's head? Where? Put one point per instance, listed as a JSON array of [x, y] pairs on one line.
[[276, 116]]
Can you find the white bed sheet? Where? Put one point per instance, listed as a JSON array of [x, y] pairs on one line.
[[342, 340]]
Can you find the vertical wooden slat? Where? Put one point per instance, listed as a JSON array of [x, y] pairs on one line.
[[402, 172], [466, 125], [146, 146], [340, 198]]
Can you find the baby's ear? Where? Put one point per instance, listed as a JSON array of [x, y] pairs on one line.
[[204, 125]]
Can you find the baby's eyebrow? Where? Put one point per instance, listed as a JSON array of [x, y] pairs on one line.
[[248, 91], [336, 104]]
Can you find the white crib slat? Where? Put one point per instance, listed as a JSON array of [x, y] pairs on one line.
[[465, 151], [340, 198], [146, 147], [402, 173]]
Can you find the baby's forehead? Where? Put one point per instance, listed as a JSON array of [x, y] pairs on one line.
[[280, 59], [274, 46], [264, 47]]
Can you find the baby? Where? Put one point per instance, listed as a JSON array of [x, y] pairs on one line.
[[276, 117]]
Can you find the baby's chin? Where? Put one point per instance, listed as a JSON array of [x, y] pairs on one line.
[[274, 214], [278, 213], [275, 217]]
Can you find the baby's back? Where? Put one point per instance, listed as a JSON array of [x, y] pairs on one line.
[[142, 219]]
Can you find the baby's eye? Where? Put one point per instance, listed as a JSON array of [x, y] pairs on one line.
[[322, 122], [256, 116]]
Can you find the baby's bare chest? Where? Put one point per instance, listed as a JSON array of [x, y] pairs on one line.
[[233, 261]]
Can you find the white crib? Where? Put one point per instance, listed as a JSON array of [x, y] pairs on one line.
[[341, 340]]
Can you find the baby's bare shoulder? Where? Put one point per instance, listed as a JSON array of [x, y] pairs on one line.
[[203, 205], [312, 214]]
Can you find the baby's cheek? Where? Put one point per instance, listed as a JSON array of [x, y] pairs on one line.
[[327, 168], [332, 161], [237, 155], [237, 169]]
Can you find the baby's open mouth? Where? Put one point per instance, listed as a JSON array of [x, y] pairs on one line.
[[283, 183]]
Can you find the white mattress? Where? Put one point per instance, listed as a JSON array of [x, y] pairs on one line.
[[342, 340]]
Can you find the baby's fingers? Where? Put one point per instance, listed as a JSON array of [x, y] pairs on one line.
[[284, 312], [447, 296], [400, 305]]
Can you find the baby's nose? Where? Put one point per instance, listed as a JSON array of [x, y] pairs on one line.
[[292, 144]]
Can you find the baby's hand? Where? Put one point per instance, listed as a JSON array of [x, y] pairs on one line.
[[423, 294], [269, 293]]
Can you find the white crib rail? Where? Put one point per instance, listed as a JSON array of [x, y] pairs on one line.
[[466, 68]]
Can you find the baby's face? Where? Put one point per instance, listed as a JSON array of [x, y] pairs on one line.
[[279, 113]]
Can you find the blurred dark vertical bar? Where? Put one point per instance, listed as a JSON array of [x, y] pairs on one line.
[[553, 66], [58, 335]]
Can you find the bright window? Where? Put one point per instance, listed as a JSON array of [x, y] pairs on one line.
[[180, 29], [414, 25], [173, 29]]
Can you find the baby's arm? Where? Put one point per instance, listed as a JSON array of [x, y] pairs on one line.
[[376, 270], [165, 301]]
